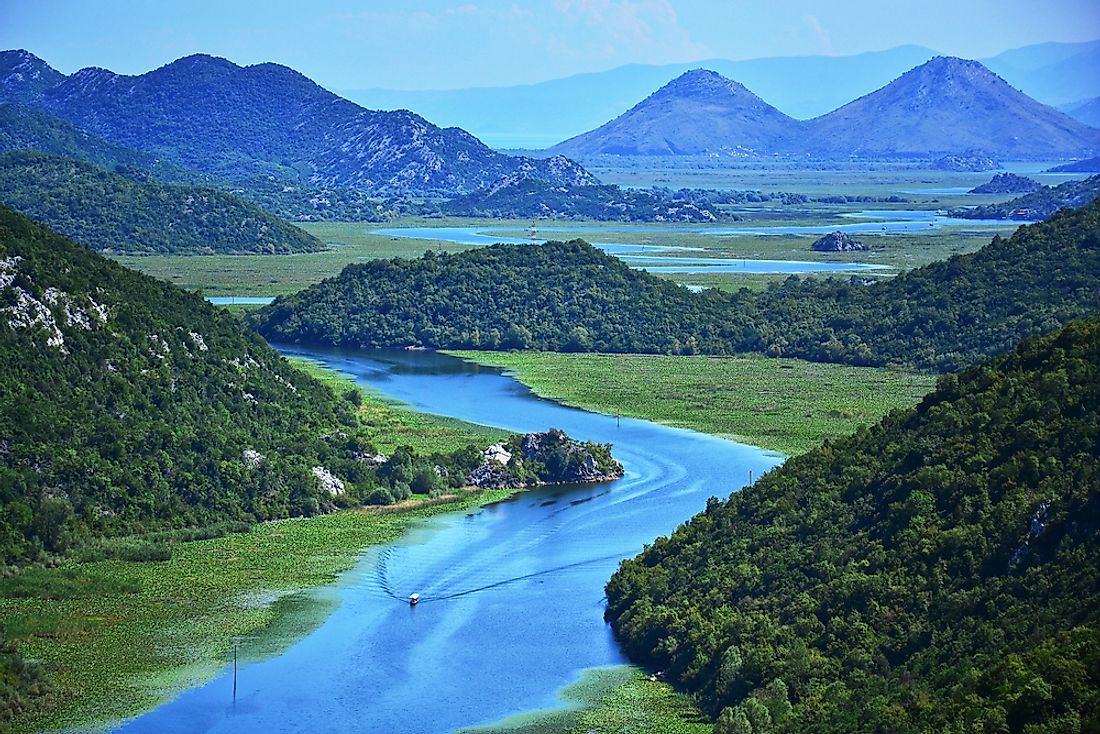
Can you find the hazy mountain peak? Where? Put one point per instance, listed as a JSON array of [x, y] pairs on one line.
[[949, 105], [699, 111]]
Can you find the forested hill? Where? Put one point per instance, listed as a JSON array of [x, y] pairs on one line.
[[937, 572], [132, 213], [572, 297], [127, 404], [564, 296], [27, 128]]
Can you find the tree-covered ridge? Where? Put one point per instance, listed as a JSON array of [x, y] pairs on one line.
[[571, 297], [129, 406], [1038, 204], [937, 572], [107, 210], [27, 128], [564, 296]]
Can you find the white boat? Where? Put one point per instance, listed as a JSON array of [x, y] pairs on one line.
[[414, 599]]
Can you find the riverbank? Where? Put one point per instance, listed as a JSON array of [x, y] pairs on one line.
[[119, 637], [785, 405]]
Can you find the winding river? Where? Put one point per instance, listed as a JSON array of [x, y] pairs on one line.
[[513, 599]]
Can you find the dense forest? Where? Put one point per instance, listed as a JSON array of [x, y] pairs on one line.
[[571, 297], [1038, 204], [937, 572], [125, 211], [129, 406]]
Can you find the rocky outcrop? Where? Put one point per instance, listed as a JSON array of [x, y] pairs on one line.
[[550, 457], [838, 242], [1008, 183], [973, 162]]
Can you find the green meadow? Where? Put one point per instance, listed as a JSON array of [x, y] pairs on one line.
[[786, 405]]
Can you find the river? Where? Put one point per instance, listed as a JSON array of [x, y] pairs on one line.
[[513, 598]]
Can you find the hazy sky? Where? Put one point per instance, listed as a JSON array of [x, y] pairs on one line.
[[436, 44]]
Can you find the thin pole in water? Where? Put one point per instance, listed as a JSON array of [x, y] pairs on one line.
[[234, 670]]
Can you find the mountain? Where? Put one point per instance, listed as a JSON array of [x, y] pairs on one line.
[[700, 111], [127, 404], [208, 114], [539, 115], [569, 296], [131, 408], [946, 106], [27, 128], [1086, 111], [1055, 73], [939, 571], [24, 76], [1038, 204], [132, 214]]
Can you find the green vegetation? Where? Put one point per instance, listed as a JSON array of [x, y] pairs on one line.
[[1039, 204], [787, 405], [128, 406], [619, 700], [939, 571], [133, 214], [570, 297], [117, 637]]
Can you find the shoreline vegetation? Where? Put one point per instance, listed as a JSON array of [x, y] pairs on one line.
[[117, 637], [785, 405]]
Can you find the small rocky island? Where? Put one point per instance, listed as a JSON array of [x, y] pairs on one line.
[[551, 457], [1008, 183], [838, 242]]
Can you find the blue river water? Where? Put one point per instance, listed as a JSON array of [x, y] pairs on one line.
[[646, 257], [513, 597]]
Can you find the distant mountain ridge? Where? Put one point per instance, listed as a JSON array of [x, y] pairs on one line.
[[946, 106], [700, 111], [804, 87], [208, 114]]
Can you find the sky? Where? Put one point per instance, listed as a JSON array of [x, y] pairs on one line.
[[445, 44]]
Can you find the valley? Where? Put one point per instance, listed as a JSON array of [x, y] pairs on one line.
[[709, 417]]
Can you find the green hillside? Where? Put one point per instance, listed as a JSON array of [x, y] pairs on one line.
[[571, 297], [134, 214], [937, 572]]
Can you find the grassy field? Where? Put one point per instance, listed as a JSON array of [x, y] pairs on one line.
[[118, 637], [619, 700], [786, 405]]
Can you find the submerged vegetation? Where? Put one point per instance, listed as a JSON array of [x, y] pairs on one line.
[[936, 572]]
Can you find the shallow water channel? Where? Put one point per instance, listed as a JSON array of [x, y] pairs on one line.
[[513, 597]]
